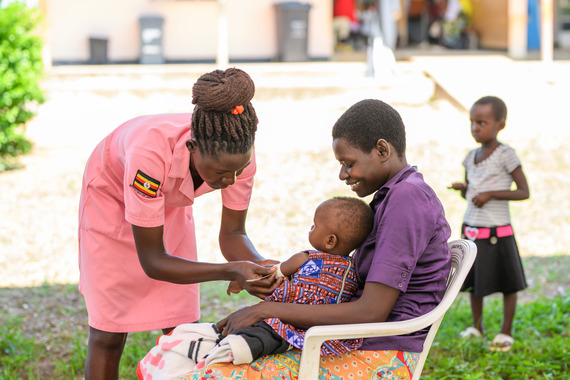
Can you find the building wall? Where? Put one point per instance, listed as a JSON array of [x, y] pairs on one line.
[[490, 19], [190, 28]]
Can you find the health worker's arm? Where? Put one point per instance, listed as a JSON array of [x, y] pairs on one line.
[[234, 242], [366, 309], [160, 265], [236, 245]]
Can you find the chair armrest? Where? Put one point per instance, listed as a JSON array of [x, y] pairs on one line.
[[316, 335]]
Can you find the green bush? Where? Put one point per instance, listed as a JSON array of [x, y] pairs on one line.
[[21, 68]]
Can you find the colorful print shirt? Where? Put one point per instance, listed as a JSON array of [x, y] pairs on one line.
[[318, 281]]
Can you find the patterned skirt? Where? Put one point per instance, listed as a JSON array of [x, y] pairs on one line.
[[388, 365]]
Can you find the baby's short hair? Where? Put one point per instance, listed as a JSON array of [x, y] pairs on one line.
[[367, 121], [499, 106], [354, 219]]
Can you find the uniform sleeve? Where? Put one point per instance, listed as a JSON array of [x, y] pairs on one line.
[[144, 176], [238, 195], [404, 232], [510, 160]]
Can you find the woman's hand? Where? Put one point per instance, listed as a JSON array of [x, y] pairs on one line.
[[234, 287], [244, 317], [257, 280], [268, 262]]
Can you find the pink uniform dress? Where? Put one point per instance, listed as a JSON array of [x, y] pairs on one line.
[[139, 175], [322, 279]]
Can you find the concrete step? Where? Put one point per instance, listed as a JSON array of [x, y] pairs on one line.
[[306, 80]]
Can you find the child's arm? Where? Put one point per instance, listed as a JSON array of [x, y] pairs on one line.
[[522, 191], [461, 186], [293, 263]]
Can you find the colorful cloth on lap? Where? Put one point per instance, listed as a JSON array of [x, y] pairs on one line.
[[320, 280], [388, 365]]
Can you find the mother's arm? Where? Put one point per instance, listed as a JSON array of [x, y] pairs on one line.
[[374, 305]]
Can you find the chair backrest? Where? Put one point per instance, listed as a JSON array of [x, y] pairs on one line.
[[463, 254]]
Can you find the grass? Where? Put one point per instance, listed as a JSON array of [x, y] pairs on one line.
[[541, 350]]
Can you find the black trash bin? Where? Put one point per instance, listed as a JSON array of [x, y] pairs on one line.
[[98, 50], [292, 31], [151, 40]]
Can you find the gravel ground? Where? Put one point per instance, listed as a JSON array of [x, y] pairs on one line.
[[296, 172]]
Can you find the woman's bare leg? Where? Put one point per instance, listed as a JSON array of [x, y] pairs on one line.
[[104, 352]]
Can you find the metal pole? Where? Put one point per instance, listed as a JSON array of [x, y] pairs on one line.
[[222, 58]]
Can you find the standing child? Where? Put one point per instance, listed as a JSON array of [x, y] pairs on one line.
[[325, 275], [137, 248], [489, 173]]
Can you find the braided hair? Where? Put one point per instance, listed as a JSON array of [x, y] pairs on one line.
[[214, 127], [369, 120]]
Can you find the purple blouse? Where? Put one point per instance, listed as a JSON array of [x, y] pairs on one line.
[[406, 250]]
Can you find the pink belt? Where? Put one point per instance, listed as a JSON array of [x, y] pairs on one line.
[[473, 233]]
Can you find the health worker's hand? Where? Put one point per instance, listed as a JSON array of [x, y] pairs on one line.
[[268, 262], [244, 317], [257, 280], [235, 288]]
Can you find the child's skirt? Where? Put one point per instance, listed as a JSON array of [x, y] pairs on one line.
[[498, 266]]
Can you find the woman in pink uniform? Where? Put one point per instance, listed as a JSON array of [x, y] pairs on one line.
[[137, 246]]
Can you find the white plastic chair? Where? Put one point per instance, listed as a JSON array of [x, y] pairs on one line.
[[463, 254]]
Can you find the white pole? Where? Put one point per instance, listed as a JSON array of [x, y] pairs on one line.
[[46, 35], [517, 28], [222, 58], [546, 31]]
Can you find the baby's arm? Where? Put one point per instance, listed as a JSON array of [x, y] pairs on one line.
[[293, 263]]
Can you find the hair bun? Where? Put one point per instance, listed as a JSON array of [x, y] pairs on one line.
[[223, 90]]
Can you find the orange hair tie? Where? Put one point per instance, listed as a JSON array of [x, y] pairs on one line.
[[238, 110]]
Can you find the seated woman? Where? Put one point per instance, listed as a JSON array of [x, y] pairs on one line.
[[402, 266]]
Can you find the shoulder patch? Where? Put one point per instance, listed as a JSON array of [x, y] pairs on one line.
[[146, 184]]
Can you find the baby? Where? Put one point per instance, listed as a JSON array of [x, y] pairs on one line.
[[321, 276]]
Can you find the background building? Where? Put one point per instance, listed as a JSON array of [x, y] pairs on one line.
[[127, 31]]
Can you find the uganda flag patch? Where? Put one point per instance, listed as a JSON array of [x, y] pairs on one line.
[[146, 184]]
